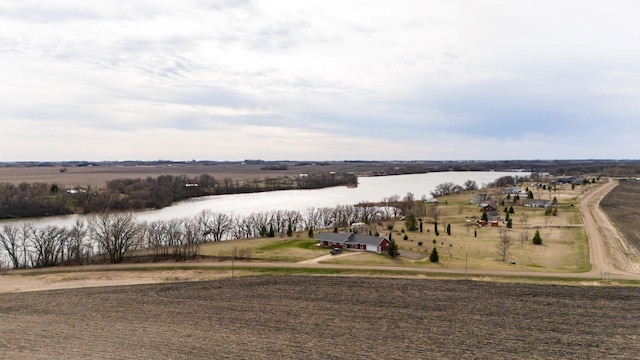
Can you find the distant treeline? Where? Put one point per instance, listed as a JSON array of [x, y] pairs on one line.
[[39, 199], [555, 167]]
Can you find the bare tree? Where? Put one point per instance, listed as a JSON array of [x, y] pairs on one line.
[[524, 237], [433, 212], [48, 245], [446, 188], [470, 185], [213, 225], [158, 237], [504, 244], [11, 241], [192, 236], [115, 234], [77, 242]]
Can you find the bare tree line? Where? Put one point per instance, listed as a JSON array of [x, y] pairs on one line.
[[109, 237]]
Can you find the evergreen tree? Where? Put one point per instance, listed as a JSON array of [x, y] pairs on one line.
[[434, 257], [272, 233], [392, 250], [530, 195], [484, 217], [449, 229], [410, 223], [511, 211], [335, 230], [420, 225], [289, 230], [537, 239], [263, 231], [509, 224], [311, 232]]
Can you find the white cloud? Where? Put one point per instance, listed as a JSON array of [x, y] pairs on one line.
[[478, 79]]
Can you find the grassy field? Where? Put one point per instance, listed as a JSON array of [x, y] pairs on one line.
[[317, 317], [565, 246]]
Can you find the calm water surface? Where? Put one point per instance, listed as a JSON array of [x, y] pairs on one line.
[[371, 189]]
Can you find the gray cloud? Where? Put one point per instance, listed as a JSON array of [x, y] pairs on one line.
[[426, 80]]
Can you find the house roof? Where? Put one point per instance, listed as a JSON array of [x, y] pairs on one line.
[[350, 238], [366, 240], [537, 201], [340, 238]]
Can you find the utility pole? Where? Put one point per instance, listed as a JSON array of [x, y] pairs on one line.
[[466, 262]]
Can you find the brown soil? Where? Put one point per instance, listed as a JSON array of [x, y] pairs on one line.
[[97, 176], [621, 205], [321, 318], [610, 250]]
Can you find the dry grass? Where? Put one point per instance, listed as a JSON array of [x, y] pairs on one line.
[[322, 318], [564, 241]]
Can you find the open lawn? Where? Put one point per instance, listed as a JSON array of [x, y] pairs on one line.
[[317, 317], [564, 249]]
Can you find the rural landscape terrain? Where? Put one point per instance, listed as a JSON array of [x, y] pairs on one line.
[[285, 297], [319, 317]]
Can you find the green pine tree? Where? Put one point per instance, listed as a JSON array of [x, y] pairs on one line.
[[537, 239], [392, 250], [434, 257]]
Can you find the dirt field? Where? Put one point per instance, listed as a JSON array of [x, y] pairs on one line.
[[97, 176], [621, 205], [610, 249], [322, 318]]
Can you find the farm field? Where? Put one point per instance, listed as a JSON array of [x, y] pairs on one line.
[[621, 205], [317, 317]]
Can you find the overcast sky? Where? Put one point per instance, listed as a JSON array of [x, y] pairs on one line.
[[319, 80]]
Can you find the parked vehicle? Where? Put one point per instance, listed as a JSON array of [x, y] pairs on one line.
[[336, 251]]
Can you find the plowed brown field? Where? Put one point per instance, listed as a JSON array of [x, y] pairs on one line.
[[290, 317]]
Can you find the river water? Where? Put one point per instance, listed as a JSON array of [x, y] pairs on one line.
[[371, 189]]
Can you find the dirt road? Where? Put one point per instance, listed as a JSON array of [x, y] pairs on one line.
[[609, 252]]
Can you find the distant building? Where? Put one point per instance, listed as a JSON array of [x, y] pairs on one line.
[[478, 199], [537, 203]]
